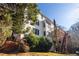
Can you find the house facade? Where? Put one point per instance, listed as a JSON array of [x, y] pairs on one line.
[[43, 26]]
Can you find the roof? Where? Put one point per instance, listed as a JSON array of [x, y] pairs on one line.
[[47, 19]]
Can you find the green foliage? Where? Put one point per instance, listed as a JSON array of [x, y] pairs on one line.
[[33, 39], [32, 11], [7, 32], [36, 43], [18, 18], [5, 23], [44, 44], [14, 22]]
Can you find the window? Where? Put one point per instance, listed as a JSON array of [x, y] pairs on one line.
[[43, 24], [36, 31], [37, 23], [44, 33]]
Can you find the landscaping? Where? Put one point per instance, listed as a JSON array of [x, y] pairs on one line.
[[25, 31]]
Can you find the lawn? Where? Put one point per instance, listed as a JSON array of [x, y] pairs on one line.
[[36, 54]]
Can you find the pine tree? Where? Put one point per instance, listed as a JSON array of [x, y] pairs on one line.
[[18, 17], [32, 11], [5, 23]]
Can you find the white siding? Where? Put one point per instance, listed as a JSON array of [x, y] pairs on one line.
[[48, 27]]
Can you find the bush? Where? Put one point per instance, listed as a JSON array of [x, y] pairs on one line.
[[44, 44], [38, 44]]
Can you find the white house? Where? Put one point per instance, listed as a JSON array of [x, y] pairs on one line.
[[43, 27]]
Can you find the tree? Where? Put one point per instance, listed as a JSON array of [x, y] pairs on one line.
[[32, 12], [5, 23], [18, 17], [13, 20], [58, 36], [55, 35]]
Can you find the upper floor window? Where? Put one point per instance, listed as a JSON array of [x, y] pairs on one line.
[[43, 24], [37, 31], [44, 33]]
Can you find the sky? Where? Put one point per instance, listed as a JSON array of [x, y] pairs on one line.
[[65, 14]]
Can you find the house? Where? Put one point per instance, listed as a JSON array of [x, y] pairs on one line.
[[43, 26]]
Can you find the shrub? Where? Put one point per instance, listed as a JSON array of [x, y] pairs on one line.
[[44, 44], [40, 44]]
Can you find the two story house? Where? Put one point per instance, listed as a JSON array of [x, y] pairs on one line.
[[43, 26]]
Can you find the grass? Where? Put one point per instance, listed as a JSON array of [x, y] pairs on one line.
[[35, 54]]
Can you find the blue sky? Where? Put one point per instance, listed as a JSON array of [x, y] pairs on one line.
[[65, 14]]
